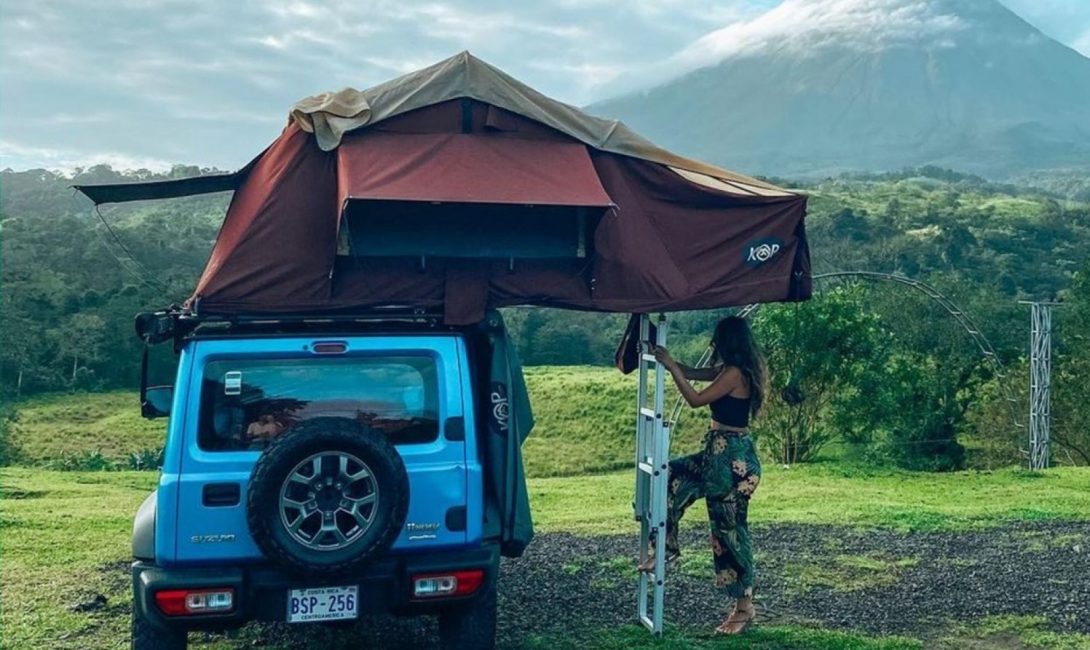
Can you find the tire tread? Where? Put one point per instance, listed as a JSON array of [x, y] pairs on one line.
[[146, 636], [471, 626]]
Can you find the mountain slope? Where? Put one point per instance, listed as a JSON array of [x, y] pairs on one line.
[[819, 86]]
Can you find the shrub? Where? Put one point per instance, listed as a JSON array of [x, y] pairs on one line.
[[146, 459], [85, 461], [912, 415]]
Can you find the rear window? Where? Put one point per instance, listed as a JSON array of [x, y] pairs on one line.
[[245, 404]]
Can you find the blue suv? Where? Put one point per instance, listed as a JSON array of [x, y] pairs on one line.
[[317, 471]]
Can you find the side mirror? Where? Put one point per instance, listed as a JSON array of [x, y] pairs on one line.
[[155, 401]]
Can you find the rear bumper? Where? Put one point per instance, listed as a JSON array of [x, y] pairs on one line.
[[261, 590]]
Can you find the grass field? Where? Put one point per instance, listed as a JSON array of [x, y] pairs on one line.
[[65, 537], [573, 434], [830, 494], [46, 429], [584, 424], [991, 633], [585, 418]]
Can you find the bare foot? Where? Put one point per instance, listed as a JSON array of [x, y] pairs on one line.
[[738, 620], [648, 565]]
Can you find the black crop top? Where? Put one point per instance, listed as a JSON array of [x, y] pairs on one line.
[[731, 411]]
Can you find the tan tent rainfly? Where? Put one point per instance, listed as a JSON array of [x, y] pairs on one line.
[[330, 115]]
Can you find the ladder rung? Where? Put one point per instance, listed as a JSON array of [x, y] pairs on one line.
[[648, 413], [646, 468], [649, 358]]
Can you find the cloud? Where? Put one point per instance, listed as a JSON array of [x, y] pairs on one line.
[[1082, 43], [210, 82], [1065, 20], [586, 77], [65, 119], [802, 24], [20, 156], [295, 10]]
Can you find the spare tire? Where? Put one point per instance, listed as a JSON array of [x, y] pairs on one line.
[[326, 496]]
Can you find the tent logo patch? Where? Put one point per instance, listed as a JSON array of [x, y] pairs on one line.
[[500, 406], [759, 251]]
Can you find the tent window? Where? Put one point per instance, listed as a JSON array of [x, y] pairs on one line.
[[474, 230]]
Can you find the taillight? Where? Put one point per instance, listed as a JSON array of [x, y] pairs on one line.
[[445, 585], [195, 602]]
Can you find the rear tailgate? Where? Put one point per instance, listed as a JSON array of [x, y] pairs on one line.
[[426, 377]]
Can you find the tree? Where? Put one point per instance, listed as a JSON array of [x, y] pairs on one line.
[[16, 352], [1071, 368], [914, 419], [817, 348], [80, 339]]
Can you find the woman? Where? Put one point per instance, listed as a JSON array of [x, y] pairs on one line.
[[727, 471]]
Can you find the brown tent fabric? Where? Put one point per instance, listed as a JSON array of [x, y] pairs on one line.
[[466, 168], [276, 248], [673, 238]]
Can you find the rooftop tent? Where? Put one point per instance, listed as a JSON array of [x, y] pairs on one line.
[[459, 188]]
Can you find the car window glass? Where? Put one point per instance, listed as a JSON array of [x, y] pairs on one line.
[[245, 403]]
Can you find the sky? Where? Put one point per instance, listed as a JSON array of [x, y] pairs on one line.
[[145, 84]]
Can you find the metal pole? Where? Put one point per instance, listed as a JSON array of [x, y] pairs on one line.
[[1040, 383]]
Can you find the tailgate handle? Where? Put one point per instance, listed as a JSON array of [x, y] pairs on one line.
[[220, 495], [330, 347]]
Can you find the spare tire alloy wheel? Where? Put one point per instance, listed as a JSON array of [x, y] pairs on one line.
[[327, 496], [329, 500]]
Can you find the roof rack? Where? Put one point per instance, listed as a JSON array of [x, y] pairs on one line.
[[178, 323]]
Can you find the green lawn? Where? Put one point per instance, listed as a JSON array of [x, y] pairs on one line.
[[585, 421], [573, 435], [64, 536], [774, 637], [827, 493], [50, 427], [991, 633]]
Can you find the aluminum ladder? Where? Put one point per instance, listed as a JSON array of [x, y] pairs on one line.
[[652, 479]]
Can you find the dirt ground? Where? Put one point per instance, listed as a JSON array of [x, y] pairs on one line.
[[875, 582]]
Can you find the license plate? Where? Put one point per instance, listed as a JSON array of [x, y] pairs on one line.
[[323, 604]]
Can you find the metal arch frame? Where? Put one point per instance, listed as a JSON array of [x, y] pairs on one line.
[[963, 319]]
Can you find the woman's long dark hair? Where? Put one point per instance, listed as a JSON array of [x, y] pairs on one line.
[[735, 346]]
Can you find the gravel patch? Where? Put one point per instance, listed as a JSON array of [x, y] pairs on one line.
[[878, 582]]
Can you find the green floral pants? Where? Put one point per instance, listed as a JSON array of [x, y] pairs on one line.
[[725, 474]]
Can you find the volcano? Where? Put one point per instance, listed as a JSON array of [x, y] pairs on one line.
[[817, 87]]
